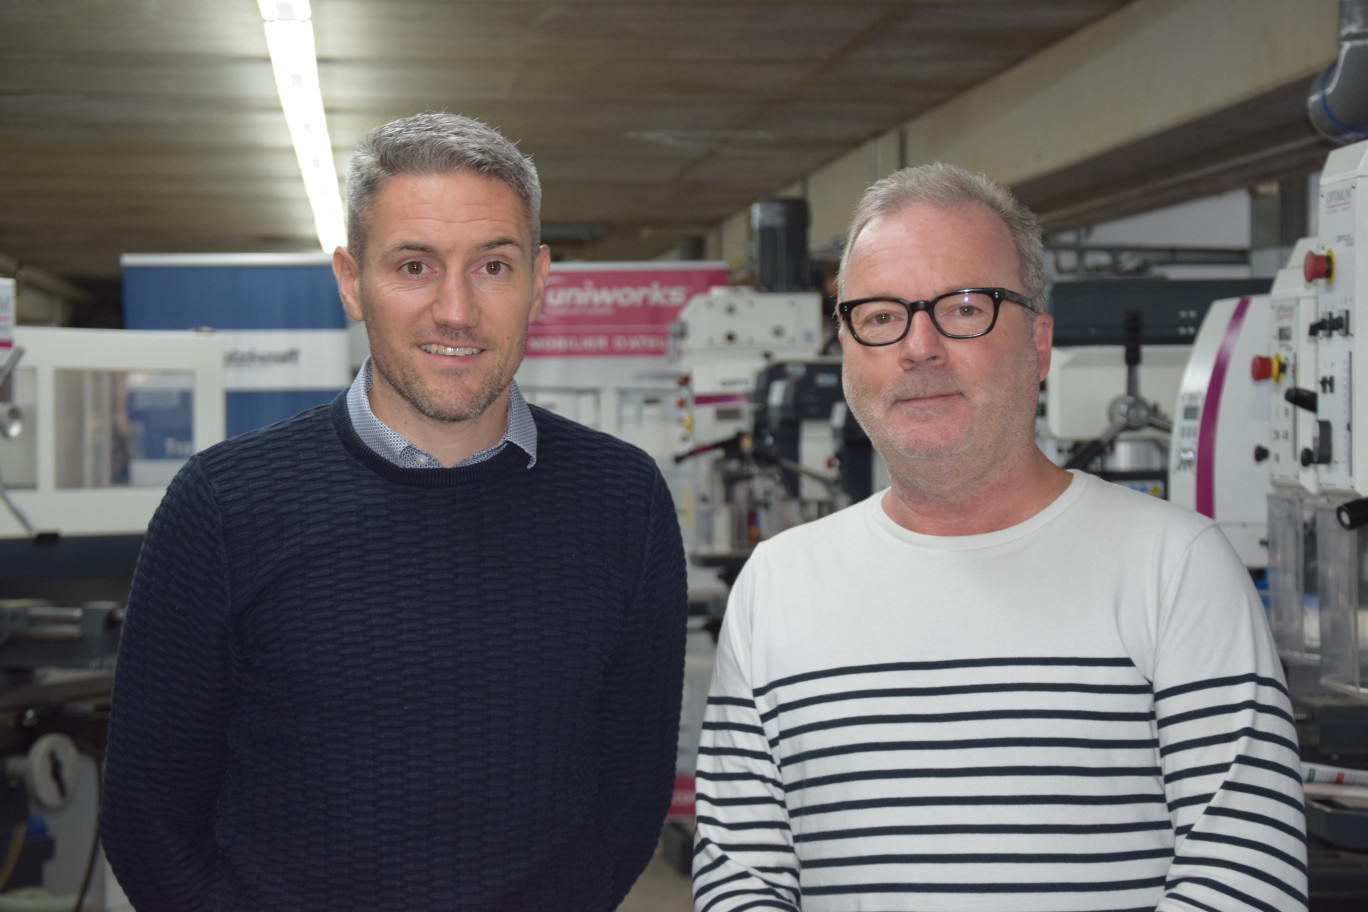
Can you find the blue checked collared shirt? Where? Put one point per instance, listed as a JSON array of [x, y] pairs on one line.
[[520, 431]]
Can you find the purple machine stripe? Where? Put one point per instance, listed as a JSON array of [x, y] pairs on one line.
[[1211, 413]]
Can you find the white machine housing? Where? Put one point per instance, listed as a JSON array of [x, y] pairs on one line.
[[1335, 271], [1083, 382], [1220, 417], [721, 340], [1290, 365], [55, 469]]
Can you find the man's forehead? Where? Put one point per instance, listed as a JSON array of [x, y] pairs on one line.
[[935, 227]]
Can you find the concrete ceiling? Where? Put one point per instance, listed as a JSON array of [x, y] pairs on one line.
[[153, 125]]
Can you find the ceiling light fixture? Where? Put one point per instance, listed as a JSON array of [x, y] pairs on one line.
[[289, 36]]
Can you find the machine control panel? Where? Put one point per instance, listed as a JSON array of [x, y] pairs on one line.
[[1331, 269]]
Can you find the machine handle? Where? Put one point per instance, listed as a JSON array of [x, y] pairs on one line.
[[1301, 398], [1353, 514]]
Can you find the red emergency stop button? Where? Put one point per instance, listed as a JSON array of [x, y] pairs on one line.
[[1261, 368], [1317, 266]]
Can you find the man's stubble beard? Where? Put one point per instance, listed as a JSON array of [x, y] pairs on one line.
[[412, 389]]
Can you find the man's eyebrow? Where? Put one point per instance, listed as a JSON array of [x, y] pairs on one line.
[[491, 244], [509, 241], [412, 247]]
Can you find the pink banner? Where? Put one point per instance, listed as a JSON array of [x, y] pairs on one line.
[[616, 309]]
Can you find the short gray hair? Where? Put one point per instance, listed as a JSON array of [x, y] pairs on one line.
[[946, 187], [434, 142]]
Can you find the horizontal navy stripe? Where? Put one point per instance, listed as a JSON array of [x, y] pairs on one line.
[[730, 701], [972, 744], [1260, 847], [1242, 896], [740, 825], [1207, 712], [1192, 902], [985, 800], [1260, 819], [1211, 683], [961, 829], [1220, 769], [989, 858], [974, 772], [1261, 792], [734, 752], [755, 904], [1104, 886], [733, 848], [1281, 769], [740, 802], [954, 689], [1226, 738], [704, 890], [1190, 800], [971, 716], [734, 726], [1214, 769], [708, 776], [946, 664], [777, 903]]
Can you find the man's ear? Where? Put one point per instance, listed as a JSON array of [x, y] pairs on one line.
[[541, 267], [348, 275], [1042, 332]]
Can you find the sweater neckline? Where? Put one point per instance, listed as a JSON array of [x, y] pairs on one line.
[[509, 458]]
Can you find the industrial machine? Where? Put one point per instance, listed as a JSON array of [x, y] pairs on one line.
[[1332, 269], [1103, 411], [738, 351], [1221, 415], [95, 423], [1288, 368]]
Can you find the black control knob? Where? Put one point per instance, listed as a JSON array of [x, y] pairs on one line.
[[1301, 398], [1353, 514], [1260, 453]]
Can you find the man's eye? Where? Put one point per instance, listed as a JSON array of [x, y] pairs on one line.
[[413, 268], [495, 267]]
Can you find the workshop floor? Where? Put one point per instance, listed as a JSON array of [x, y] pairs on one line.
[[661, 888]]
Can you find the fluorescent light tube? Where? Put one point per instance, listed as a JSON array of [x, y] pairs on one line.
[[289, 36]]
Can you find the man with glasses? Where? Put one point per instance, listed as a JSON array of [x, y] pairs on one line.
[[996, 684]]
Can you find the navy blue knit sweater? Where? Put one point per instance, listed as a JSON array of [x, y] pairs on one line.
[[343, 685]]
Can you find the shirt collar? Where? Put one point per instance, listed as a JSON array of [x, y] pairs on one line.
[[520, 430]]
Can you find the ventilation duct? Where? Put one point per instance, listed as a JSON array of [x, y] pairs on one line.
[[1338, 105]]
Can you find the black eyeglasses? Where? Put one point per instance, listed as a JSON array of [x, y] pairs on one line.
[[963, 314]]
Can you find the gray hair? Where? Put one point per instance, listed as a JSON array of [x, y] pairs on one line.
[[946, 187], [434, 142]]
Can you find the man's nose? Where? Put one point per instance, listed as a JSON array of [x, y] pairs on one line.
[[923, 341], [456, 303]]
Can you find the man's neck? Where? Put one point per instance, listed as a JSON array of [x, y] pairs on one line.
[[450, 442], [936, 497]]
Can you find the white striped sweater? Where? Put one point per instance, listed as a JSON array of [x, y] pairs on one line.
[[1082, 712]]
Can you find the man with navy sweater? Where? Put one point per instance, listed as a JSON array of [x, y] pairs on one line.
[[422, 647]]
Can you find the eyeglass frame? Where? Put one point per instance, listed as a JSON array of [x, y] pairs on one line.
[[913, 307]]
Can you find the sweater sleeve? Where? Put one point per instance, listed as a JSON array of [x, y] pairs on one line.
[[170, 708], [642, 693], [1228, 744], [743, 850]]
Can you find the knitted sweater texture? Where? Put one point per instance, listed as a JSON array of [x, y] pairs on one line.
[[346, 685]]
